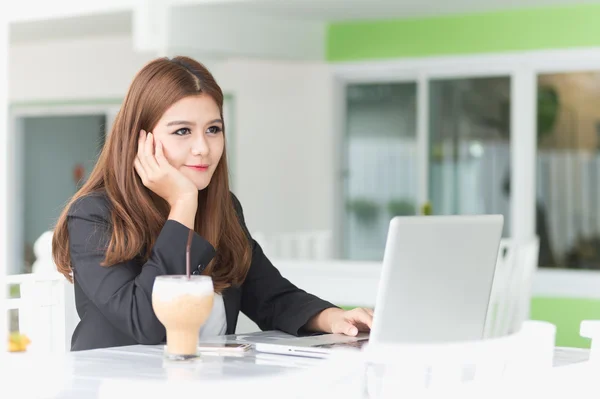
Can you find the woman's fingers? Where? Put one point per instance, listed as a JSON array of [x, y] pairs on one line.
[[141, 154], [150, 160], [160, 155], [140, 170], [362, 316]]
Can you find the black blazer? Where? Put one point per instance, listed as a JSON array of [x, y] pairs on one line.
[[115, 303]]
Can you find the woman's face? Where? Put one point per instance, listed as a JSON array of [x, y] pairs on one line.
[[191, 132]]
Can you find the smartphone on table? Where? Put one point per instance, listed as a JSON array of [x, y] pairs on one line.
[[224, 347]]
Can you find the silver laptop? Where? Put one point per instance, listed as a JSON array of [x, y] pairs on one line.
[[435, 285]]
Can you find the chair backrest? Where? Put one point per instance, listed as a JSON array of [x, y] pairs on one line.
[[591, 329], [41, 310], [527, 257], [395, 370], [511, 291], [42, 248], [496, 322], [315, 245], [46, 307]]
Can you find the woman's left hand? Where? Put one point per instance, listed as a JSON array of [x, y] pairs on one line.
[[338, 321]]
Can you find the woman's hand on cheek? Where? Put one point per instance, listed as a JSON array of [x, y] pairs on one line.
[[159, 175]]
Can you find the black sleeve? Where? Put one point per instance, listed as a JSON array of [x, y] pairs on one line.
[[269, 299], [123, 292]]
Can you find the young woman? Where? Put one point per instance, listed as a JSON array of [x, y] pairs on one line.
[[163, 171]]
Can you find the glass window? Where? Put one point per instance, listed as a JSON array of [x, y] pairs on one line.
[[380, 164], [469, 138], [568, 170]]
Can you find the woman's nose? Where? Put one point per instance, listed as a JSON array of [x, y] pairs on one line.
[[200, 147]]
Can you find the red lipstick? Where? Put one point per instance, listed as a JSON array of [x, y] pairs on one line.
[[199, 168]]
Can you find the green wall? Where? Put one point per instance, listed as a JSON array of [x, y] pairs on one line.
[[567, 314], [517, 30]]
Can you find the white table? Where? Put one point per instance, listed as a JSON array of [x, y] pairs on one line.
[[80, 374]]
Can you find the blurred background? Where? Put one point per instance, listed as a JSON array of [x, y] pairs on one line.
[[340, 114]]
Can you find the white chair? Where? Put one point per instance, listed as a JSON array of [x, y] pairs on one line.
[[313, 245], [41, 309], [527, 257], [410, 369], [511, 291], [505, 265], [42, 248], [46, 306], [591, 329]]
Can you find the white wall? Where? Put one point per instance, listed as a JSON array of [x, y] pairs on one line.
[[27, 10], [248, 33], [283, 120], [285, 170], [73, 69]]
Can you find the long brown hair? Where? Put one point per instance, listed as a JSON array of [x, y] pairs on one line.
[[137, 214]]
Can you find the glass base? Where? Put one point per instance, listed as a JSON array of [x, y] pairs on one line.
[[180, 358]]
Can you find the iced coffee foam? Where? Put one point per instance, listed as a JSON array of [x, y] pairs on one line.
[[167, 288]]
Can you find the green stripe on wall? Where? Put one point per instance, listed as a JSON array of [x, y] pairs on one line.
[[517, 30]]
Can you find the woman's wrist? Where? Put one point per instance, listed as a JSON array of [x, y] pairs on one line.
[[323, 321], [184, 211]]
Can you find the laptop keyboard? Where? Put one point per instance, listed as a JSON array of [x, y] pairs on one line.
[[353, 344]]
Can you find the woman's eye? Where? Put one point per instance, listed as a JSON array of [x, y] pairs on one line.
[[182, 132], [214, 130]]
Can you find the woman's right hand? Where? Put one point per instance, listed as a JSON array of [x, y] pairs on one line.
[[159, 175]]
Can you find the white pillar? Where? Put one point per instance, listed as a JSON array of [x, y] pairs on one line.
[[422, 142], [3, 175], [523, 144], [151, 26]]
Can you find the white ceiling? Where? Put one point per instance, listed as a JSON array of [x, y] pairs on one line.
[[119, 21], [103, 24]]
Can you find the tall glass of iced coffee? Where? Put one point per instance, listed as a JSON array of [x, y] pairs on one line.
[[182, 305]]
